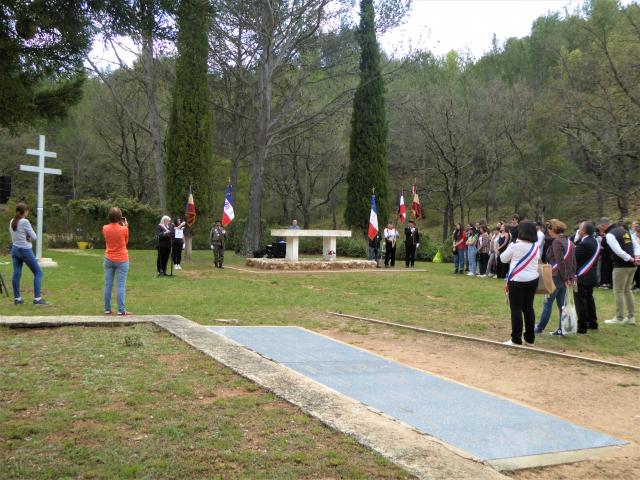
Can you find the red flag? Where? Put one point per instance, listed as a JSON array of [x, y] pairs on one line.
[[191, 210], [402, 212], [416, 209]]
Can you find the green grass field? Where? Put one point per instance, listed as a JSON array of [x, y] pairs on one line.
[[433, 299], [135, 402]]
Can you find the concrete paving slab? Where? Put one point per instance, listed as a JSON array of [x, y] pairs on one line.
[[487, 427], [422, 455]]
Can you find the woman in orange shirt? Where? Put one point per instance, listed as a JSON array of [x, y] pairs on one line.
[[116, 259]]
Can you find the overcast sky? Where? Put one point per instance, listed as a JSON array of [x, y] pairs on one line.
[[444, 25]]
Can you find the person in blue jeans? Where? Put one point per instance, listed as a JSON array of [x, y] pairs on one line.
[[22, 235], [116, 259], [472, 250], [561, 255], [459, 240]]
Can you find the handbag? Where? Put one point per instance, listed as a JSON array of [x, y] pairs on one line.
[[545, 279]]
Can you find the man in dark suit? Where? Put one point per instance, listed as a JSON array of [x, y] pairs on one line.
[[411, 243], [587, 253]]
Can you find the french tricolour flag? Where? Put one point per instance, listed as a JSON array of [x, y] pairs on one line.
[[228, 214], [373, 219], [402, 212]]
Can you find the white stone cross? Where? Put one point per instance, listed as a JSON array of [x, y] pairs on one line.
[[41, 153]]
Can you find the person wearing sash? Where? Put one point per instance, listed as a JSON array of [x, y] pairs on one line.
[[561, 256], [522, 281], [411, 243], [390, 239], [587, 253], [177, 238], [625, 256]]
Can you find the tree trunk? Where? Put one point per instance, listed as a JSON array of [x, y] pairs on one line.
[[492, 193], [623, 205], [334, 220], [188, 248], [445, 224], [251, 236], [154, 118]]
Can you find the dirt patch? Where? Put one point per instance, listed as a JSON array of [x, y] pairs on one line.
[[196, 273], [603, 398]]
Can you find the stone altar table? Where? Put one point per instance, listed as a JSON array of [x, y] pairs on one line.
[[293, 240]]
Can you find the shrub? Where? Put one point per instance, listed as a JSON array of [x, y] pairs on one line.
[[87, 216]]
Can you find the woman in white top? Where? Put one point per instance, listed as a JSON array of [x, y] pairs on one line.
[[22, 235], [177, 239], [522, 281]]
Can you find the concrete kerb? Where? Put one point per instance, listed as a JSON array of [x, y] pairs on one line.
[[420, 454]]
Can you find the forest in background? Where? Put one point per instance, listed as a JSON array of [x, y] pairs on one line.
[[544, 126]]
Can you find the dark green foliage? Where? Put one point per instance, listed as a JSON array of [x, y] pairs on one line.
[[368, 148], [42, 46], [189, 139], [86, 218]]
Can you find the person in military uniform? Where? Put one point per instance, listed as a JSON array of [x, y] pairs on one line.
[[217, 238]]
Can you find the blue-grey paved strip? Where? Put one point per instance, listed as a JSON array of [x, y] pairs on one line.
[[486, 426]]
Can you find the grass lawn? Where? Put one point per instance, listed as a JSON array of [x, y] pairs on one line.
[[134, 402], [433, 299]]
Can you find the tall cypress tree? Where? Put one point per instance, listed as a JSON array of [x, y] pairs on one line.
[[189, 137], [368, 148]]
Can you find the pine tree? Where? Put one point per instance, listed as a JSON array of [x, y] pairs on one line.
[[368, 148], [189, 137]]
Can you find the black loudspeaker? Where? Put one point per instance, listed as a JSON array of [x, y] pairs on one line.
[[5, 188], [279, 249]]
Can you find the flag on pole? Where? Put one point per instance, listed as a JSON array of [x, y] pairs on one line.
[[402, 212], [416, 209], [191, 210], [373, 219], [227, 213]]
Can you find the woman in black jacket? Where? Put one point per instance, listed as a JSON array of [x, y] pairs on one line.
[[163, 244]]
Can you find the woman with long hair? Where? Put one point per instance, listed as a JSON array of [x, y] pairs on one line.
[[22, 235], [472, 250], [522, 281], [116, 260], [177, 239], [163, 244], [503, 240], [459, 240], [561, 256]]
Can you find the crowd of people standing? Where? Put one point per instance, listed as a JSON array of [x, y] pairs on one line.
[[604, 254]]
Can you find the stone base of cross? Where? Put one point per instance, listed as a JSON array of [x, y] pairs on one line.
[[46, 262]]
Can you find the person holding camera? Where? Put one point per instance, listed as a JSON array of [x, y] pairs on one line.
[[22, 235], [116, 260], [177, 239], [163, 244]]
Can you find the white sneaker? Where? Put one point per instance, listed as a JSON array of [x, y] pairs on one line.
[[510, 344], [630, 320], [471, 274], [615, 321]]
